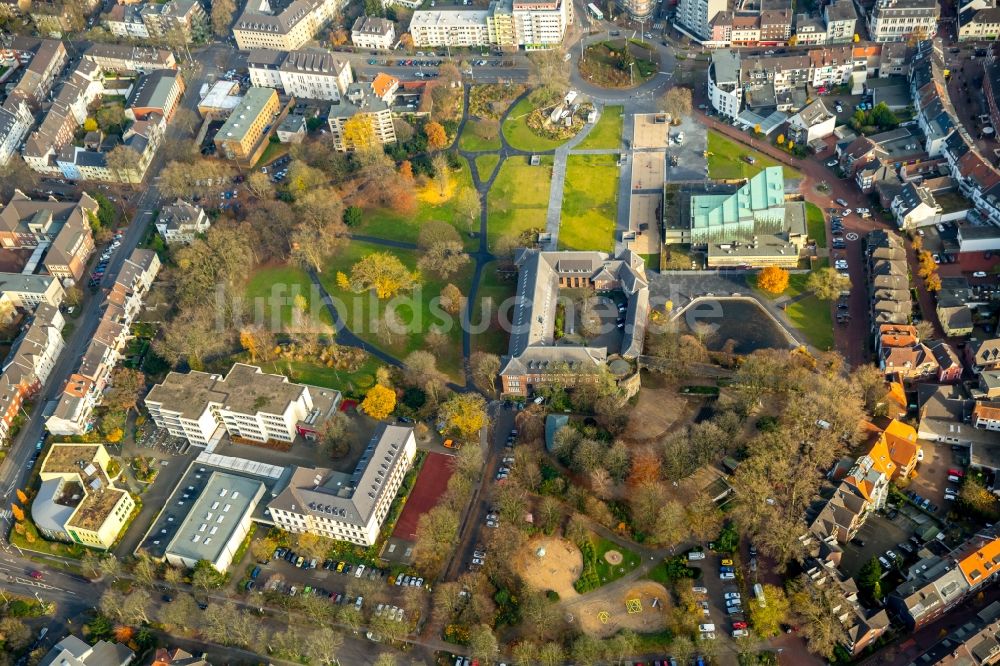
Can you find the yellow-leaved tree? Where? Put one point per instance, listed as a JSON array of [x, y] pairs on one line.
[[21, 496], [465, 413], [17, 511], [773, 280], [383, 272], [379, 402], [359, 132]]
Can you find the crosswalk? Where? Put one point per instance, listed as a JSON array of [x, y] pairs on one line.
[[6, 515]]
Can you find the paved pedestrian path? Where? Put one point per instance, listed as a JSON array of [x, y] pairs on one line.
[[554, 214]]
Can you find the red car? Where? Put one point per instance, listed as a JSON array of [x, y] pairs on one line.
[[739, 625], [37, 575], [956, 472]]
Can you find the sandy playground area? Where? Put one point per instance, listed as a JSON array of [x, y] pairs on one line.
[[603, 615], [556, 571]]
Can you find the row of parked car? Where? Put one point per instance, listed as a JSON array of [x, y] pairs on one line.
[[102, 263]]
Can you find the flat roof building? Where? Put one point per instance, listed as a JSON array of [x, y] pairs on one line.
[[244, 134], [217, 523]]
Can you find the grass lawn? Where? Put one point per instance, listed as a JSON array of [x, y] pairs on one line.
[[519, 198], [348, 383], [386, 223], [270, 292], [485, 165], [271, 153], [726, 161], [608, 131], [808, 314], [496, 290], [816, 223], [361, 312], [469, 141], [589, 203], [606, 571], [520, 136], [652, 261]]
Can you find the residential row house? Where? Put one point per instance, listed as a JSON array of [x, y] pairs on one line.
[[936, 584], [29, 362], [122, 58], [975, 642], [157, 20], [903, 357], [39, 63], [892, 454], [61, 228], [84, 388], [888, 280], [527, 24], [978, 20], [309, 74]]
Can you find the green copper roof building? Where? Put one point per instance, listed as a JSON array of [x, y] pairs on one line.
[[758, 207]]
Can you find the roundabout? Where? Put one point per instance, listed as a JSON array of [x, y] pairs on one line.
[[643, 95]]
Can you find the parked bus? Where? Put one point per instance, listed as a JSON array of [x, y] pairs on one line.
[[595, 12]]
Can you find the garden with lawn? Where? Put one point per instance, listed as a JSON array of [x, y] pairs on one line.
[[589, 205], [618, 63], [805, 312], [271, 291], [727, 160], [473, 137], [607, 133], [494, 289], [816, 224], [598, 555], [485, 165], [431, 205], [519, 198], [363, 312], [519, 135], [353, 383]]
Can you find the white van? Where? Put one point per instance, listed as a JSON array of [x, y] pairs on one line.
[[706, 628], [758, 593]]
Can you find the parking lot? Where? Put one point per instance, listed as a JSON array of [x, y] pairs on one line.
[[721, 601], [932, 474], [878, 534]]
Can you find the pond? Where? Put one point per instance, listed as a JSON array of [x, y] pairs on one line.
[[736, 325]]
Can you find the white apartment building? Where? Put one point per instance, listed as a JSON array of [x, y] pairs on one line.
[[531, 24], [371, 32], [369, 104], [305, 74], [27, 291], [126, 21], [246, 403], [841, 21], [724, 90], [15, 123], [897, 20], [259, 27], [181, 221], [695, 16], [460, 27], [348, 507]]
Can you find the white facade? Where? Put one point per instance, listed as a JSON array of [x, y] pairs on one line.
[[301, 74], [435, 27], [898, 20], [724, 90], [373, 33], [15, 123], [258, 27], [695, 15], [314, 500]]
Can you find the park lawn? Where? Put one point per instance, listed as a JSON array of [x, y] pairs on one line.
[[495, 290], [607, 133], [349, 383], [726, 160], [387, 223], [520, 136], [816, 224], [471, 142], [485, 165], [271, 153], [519, 198], [606, 571], [361, 312], [270, 292], [589, 204], [812, 316]]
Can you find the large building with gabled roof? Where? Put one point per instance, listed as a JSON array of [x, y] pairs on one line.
[[348, 507], [537, 356]]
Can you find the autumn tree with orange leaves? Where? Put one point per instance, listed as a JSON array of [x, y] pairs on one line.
[[773, 280]]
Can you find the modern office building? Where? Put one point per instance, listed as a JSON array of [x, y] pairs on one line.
[[247, 403], [243, 137], [348, 507]]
